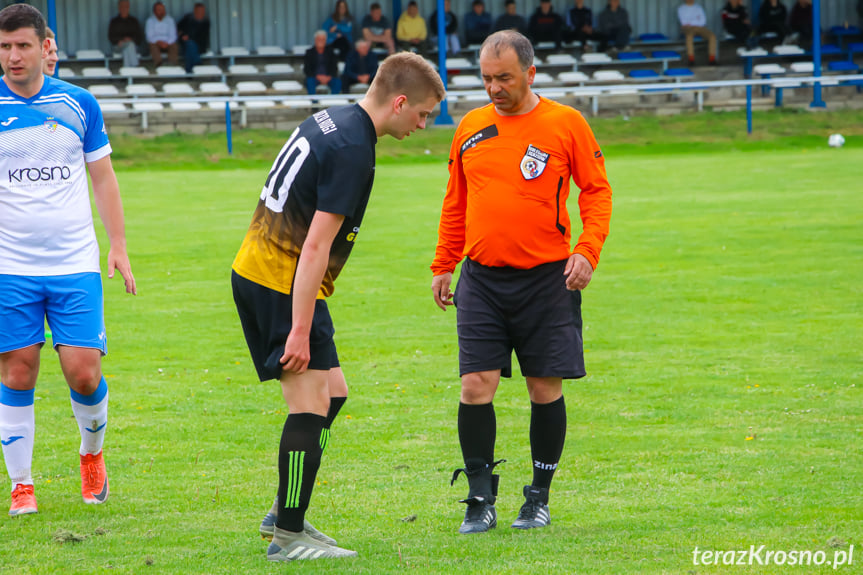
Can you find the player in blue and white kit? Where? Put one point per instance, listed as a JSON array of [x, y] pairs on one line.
[[51, 136]]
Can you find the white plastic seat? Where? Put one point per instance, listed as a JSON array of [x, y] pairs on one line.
[[278, 69], [112, 107], [596, 58], [140, 90], [337, 101], [300, 49], [288, 86], [234, 51], [89, 55], [166, 71], [103, 90], [134, 71], [189, 106], [214, 88], [251, 87], [67, 72], [788, 50], [270, 51], [207, 70], [545, 46], [802, 67], [297, 103], [542, 79], [573, 77], [743, 52], [178, 89], [244, 69], [560, 60], [608, 76], [221, 105], [466, 82], [62, 56], [96, 73], [765, 69], [147, 107], [458, 63], [259, 104]]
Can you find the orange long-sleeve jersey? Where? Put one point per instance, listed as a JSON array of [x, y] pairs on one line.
[[505, 203]]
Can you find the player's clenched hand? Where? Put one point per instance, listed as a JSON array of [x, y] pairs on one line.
[[440, 290], [119, 260], [578, 272], [297, 355]]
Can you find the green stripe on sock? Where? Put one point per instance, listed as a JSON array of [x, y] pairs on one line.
[[295, 478], [325, 438]]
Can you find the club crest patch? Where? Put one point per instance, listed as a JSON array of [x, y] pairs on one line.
[[51, 124], [533, 163]]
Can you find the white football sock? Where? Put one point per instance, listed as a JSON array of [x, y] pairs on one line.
[[17, 428], [91, 412]]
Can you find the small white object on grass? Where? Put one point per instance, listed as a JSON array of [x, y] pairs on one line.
[[836, 141]]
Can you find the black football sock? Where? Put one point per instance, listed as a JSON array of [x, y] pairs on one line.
[[477, 429], [336, 404], [299, 460], [547, 434]]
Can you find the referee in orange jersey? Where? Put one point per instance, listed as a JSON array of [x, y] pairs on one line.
[[505, 215]]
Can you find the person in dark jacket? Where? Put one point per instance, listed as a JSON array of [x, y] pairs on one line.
[[614, 24], [772, 17], [735, 20], [194, 32], [511, 19], [477, 23], [453, 46], [801, 22], [361, 66], [321, 66], [125, 34], [579, 26], [545, 25]]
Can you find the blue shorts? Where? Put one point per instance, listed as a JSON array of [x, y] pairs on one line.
[[71, 303]]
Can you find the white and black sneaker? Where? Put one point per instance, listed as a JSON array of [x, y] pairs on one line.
[[289, 546], [268, 526], [534, 513], [479, 517]]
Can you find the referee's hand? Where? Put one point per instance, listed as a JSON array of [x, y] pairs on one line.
[[440, 290], [578, 272]]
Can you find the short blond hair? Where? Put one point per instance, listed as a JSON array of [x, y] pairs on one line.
[[409, 74], [49, 33]]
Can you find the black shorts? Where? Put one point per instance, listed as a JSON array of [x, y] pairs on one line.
[[266, 318], [530, 311]]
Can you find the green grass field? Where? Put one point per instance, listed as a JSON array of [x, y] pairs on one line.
[[722, 407]]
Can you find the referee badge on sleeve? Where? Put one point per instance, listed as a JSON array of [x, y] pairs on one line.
[[533, 163]]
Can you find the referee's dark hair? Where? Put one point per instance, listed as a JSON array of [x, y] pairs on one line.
[[504, 39], [19, 16]]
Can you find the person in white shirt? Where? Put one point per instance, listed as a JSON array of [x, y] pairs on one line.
[[693, 22], [161, 32], [52, 137]]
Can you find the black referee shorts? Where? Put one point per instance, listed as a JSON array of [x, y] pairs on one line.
[[266, 318], [501, 309]]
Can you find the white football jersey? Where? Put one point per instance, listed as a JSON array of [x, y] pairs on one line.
[[46, 223]]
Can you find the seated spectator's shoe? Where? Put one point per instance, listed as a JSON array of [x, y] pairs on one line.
[[268, 525], [94, 479], [23, 500], [290, 546], [534, 513], [479, 517]]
